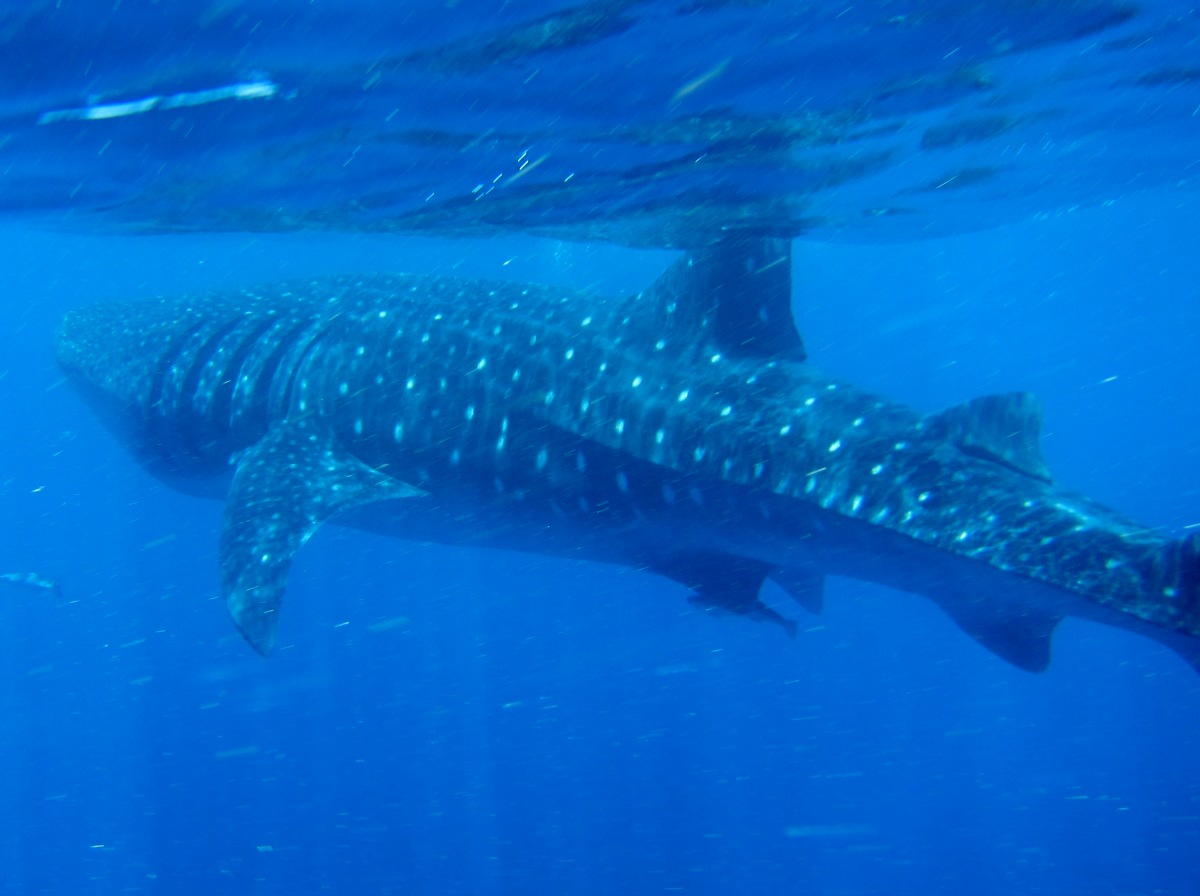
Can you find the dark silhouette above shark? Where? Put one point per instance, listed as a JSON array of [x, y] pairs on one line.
[[680, 431]]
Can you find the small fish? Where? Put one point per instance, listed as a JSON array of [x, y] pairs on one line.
[[31, 580]]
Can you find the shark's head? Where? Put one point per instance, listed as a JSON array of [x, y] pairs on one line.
[[103, 351], [151, 370]]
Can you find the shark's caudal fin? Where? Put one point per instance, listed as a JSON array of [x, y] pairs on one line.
[[285, 486], [734, 297], [1002, 428]]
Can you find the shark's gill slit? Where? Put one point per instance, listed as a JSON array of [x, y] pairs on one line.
[[176, 437], [284, 397], [229, 376], [256, 385]]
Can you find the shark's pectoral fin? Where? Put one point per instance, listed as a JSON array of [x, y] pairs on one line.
[[1021, 637], [805, 586], [721, 583], [1005, 429], [286, 485]]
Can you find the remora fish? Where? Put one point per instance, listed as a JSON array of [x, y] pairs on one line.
[[678, 431], [31, 580]]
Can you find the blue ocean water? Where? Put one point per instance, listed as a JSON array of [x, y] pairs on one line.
[[440, 720]]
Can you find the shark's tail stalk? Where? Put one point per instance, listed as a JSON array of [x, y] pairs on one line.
[[1188, 589], [1180, 585], [1172, 596]]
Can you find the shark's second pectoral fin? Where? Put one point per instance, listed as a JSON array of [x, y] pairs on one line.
[[1021, 637], [286, 485], [721, 583]]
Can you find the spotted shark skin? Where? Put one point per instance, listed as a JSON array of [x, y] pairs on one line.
[[680, 431]]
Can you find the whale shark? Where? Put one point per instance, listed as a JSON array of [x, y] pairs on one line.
[[680, 430]]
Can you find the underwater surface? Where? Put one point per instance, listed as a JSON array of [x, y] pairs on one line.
[[635, 121], [445, 720]]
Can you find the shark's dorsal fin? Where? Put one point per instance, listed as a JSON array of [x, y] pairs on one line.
[[286, 485], [734, 297], [1002, 428]]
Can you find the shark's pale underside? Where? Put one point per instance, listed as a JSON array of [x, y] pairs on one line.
[[679, 431]]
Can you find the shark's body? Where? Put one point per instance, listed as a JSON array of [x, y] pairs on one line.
[[679, 431]]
